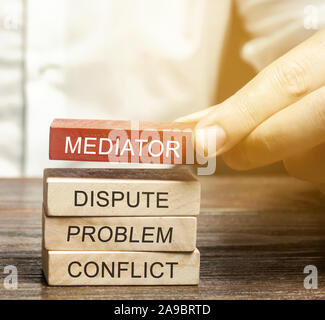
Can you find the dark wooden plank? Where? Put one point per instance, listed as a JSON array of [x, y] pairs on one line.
[[255, 234]]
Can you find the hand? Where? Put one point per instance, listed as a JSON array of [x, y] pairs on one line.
[[279, 115]]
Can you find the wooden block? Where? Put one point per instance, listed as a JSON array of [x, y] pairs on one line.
[[120, 233], [74, 268], [121, 192], [122, 141]]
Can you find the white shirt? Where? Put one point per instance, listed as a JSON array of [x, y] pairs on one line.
[[120, 59]]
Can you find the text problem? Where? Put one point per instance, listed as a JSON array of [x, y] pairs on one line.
[[120, 233]]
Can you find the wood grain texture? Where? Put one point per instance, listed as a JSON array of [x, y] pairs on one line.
[[121, 192], [120, 233], [255, 235], [121, 141], [75, 268]]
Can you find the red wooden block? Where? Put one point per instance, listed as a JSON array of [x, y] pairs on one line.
[[122, 141]]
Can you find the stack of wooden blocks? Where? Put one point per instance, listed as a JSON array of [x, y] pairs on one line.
[[120, 226]]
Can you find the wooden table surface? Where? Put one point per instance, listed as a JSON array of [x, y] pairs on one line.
[[255, 234]]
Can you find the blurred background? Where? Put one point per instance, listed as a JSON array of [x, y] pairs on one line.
[[124, 59]]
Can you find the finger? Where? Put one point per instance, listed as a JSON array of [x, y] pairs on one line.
[[299, 72], [308, 165], [196, 116], [294, 129]]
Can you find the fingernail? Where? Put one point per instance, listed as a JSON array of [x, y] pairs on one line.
[[209, 140]]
